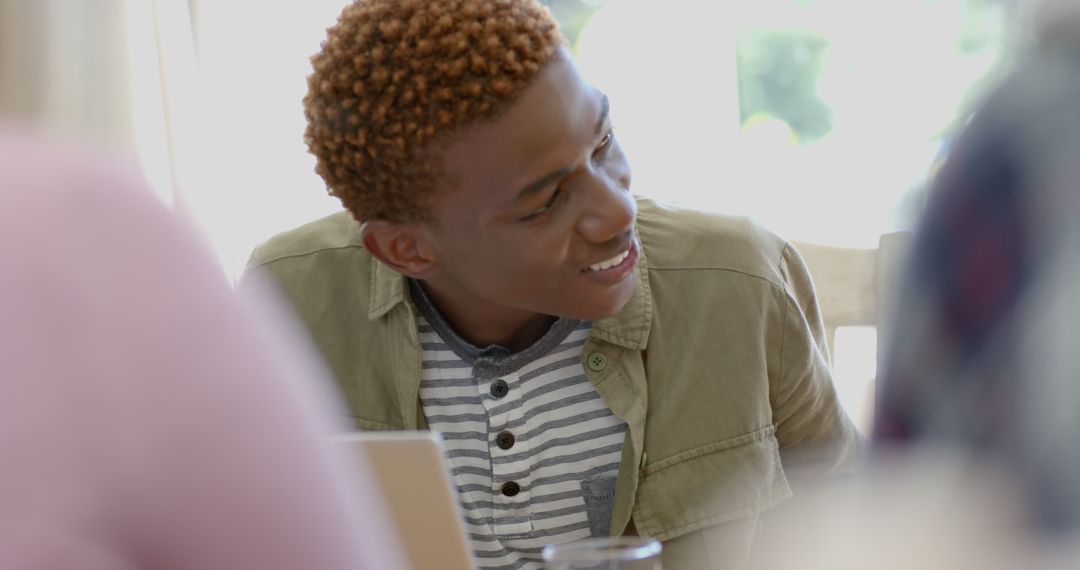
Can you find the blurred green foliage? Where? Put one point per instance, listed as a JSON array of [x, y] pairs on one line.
[[779, 67], [778, 74]]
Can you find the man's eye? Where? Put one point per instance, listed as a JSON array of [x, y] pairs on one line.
[[604, 142], [547, 206]]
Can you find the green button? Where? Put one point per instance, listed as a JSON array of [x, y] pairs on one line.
[[596, 361]]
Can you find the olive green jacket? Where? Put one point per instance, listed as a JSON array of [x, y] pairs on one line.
[[717, 364]]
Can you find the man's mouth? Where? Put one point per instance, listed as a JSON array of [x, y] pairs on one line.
[[609, 263]]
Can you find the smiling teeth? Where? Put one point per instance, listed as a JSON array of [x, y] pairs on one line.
[[611, 262]]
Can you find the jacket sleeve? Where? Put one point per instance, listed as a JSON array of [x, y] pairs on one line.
[[815, 435]]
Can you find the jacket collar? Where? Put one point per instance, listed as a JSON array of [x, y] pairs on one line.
[[629, 328], [387, 289]]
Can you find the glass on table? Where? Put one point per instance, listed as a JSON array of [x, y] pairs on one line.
[[609, 553]]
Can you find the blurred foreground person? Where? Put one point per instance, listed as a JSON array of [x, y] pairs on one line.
[[149, 418], [984, 355], [977, 435]]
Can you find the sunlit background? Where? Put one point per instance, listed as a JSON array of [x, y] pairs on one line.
[[822, 119]]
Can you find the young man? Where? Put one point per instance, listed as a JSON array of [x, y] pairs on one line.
[[596, 363]]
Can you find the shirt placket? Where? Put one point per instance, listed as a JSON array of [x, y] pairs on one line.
[[511, 484]]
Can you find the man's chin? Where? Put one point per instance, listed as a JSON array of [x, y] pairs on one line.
[[608, 307]]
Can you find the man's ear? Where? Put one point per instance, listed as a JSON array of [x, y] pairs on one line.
[[402, 247]]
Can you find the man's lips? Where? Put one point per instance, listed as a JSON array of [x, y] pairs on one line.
[[615, 268], [611, 261]]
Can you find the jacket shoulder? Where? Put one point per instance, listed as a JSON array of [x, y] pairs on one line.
[[678, 239], [334, 232]]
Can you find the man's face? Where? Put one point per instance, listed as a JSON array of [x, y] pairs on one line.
[[540, 217]]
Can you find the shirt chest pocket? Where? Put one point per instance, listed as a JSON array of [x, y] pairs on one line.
[[719, 482], [599, 495]]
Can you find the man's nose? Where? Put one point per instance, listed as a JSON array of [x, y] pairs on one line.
[[609, 212]]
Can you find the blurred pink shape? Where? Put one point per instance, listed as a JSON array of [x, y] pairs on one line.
[[149, 417]]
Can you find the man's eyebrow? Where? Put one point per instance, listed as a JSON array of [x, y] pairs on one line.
[[540, 184]]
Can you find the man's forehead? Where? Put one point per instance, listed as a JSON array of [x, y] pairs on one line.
[[549, 121], [550, 111]]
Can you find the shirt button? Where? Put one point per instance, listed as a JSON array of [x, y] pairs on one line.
[[504, 440], [596, 361], [510, 488], [499, 388]]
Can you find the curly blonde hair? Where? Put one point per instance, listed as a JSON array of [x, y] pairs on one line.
[[395, 76]]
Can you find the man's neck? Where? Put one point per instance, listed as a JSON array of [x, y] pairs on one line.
[[483, 324]]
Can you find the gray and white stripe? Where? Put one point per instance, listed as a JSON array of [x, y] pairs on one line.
[[564, 434]]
